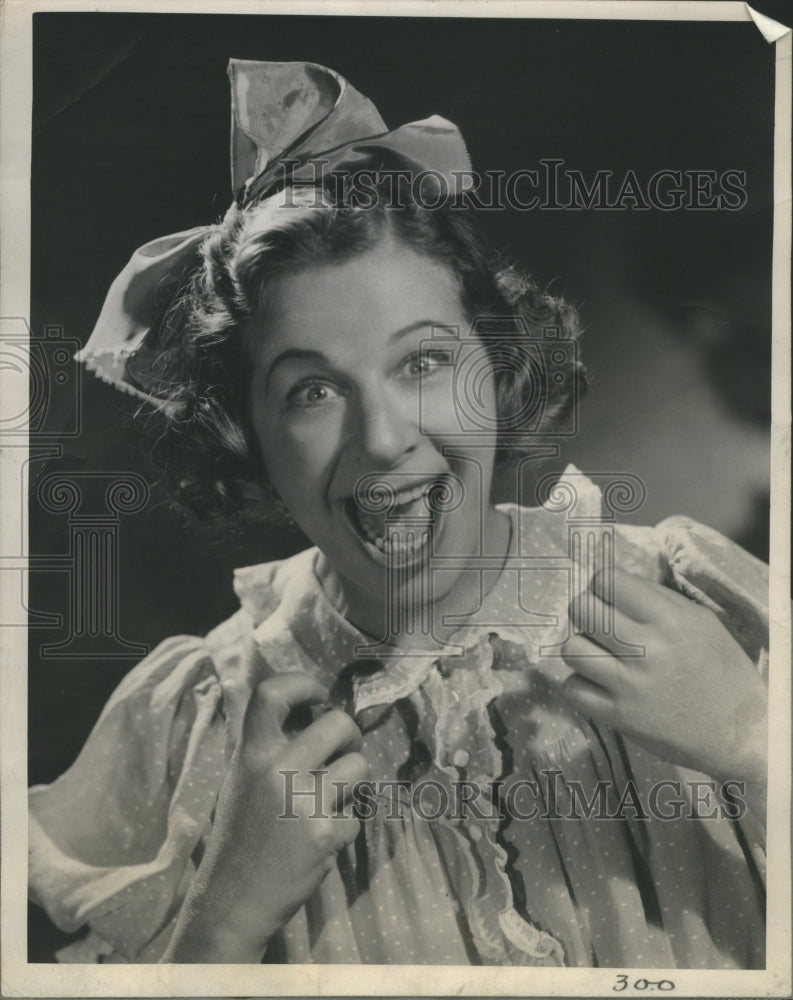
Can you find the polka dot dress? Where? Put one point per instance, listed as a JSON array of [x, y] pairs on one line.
[[501, 827]]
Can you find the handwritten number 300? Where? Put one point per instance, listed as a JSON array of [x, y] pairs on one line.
[[642, 984]]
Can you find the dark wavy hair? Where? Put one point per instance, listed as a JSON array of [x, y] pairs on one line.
[[205, 444]]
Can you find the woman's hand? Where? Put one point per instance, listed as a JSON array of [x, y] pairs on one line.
[[692, 696], [259, 866]]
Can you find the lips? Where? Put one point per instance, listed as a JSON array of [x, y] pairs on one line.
[[400, 533]]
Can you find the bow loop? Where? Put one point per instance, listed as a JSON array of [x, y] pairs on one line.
[[294, 110], [292, 124]]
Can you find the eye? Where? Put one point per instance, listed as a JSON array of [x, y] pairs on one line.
[[312, 393], [424, 363]]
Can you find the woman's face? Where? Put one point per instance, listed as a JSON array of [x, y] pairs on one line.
[[345, 388]]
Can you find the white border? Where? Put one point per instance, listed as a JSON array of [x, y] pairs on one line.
[[21, 979]]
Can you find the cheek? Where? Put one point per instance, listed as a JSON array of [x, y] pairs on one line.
[[298, 455], [465, 399], [441, 408], [464, 408]]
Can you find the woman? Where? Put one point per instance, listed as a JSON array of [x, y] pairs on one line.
[[343, 346]]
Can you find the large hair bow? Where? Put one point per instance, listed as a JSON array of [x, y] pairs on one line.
[[292, 124]]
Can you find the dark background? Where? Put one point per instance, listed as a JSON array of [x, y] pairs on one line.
[[130, 142]]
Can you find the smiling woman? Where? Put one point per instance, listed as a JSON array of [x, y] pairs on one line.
[[365, 366], [250, 255], [337, 373], [326, 421]]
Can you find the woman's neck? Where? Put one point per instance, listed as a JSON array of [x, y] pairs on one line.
[[370, 612]]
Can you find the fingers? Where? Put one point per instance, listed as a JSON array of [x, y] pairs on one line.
[[602, 622], [344, 773], [272, 701], [340, 831], [592, 662], [589, 699], [330, 790], [332, 734], [320, 794], [640, 599]]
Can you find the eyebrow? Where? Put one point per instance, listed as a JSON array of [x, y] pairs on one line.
[[311, 354]]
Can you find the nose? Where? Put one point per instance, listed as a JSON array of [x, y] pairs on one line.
[[387, 430]]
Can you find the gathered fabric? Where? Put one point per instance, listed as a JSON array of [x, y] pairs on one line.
[[114, 842]]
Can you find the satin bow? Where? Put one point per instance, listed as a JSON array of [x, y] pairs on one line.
[[292, 124]]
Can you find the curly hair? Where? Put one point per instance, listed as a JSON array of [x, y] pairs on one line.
[[204, 442]]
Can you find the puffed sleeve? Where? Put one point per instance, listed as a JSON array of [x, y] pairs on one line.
[[111, 842], [712, 570]]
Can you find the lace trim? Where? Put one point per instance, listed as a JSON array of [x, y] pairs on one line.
[[489, 876], [526, 937], [398, 680], [110, 367]]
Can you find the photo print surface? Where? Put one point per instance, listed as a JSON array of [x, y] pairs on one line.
[[398, 495]]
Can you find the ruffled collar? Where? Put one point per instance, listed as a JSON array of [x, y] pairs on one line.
[[298, 626]]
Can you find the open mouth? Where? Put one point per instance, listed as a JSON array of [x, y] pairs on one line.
[[399, 534]]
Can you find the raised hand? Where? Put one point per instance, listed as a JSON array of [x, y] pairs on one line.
[[259, 868], [694, 698]]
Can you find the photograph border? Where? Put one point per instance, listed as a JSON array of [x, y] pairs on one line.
[[22, 979]]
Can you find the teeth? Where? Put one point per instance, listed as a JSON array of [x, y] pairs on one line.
[[395, 538], [408, 496], [395, 545], [405, 497], [393, 542]]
